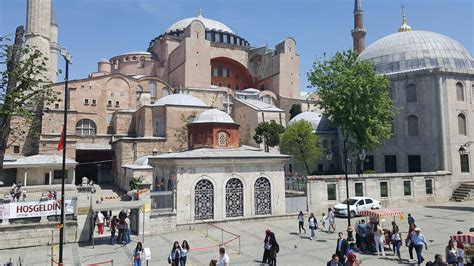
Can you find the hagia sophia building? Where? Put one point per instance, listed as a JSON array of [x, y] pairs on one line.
[[139, 103]]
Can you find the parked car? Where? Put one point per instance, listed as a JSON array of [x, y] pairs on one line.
[[356, 204]]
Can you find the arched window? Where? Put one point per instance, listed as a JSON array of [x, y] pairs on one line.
[[411, 94], [204, 200], [165, 92], [462, 125], [412, 126], [152, 89], [234, 198], [86, 127], [459, 92], [222, 139], [263, 196]]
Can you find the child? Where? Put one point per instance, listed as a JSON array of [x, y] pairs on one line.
[[323, 221]]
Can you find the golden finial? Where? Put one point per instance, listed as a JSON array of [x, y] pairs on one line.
[[404, 26]]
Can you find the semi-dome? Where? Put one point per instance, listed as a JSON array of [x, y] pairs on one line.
[[213, 116], [411, 50], [318, 121], [180, 99], [209, 24]]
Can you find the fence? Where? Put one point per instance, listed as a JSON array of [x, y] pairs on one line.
[[296, 184], [162, 200], [102, 263], [217, 234]]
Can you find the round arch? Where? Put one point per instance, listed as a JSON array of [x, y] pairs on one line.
[[227, 72]]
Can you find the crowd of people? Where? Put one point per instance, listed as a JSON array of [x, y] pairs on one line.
[[371, 238], [16, 193], [119, 226]]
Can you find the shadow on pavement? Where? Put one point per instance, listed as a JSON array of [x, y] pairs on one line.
[[454, 208]]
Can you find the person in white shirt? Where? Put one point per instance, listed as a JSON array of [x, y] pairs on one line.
[[224, 258], [100, 223]]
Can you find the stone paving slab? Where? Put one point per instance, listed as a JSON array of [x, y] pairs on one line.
[[437, 222]]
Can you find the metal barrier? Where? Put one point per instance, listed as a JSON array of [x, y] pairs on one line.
[[108, 262], [222, 242]]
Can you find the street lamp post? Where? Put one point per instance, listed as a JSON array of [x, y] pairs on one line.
[[346, 160], [463, 149], [67, 57]]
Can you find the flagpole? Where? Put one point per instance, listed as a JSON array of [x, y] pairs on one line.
[[67, 58]]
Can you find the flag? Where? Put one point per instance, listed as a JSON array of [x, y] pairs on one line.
[[61, 141]]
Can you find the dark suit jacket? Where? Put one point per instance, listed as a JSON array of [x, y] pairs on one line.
[[329, 264], [343, 248]]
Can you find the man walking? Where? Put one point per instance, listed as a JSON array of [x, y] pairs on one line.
[[410, 219], [418, 241], [362, 232], [341, 248]]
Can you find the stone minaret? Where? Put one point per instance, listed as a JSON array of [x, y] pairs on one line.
[[40, 32], [54, 48], [358, 33]]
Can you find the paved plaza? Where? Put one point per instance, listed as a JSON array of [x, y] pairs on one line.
[[437, 222]]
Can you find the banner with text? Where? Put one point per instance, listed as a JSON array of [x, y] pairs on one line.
[[15, 210]]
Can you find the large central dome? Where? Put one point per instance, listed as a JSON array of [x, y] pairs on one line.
[[209, 24], [413, 50]]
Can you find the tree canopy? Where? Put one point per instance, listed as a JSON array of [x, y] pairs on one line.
[[355, 98], [300, 141], [23, 90], [269, 133]]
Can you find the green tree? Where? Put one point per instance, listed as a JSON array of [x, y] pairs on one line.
[[295, 110], [24, 89], [269, 133], [300, 141], [355, 98]]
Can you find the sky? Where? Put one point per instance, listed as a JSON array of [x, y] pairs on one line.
[[95, 29]]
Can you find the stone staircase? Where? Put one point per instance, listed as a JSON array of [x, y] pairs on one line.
[[463, 192]]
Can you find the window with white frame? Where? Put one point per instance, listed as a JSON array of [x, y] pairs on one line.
[[407, 187], [384, 189], [429, 186], [86, 127]]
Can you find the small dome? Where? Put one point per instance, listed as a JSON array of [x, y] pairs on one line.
[[209, 24], [141, 161], [411, 50], [213, 116], [318, 121], [251, 90], [180, 99]]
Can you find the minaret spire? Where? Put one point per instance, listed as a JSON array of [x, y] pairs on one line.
[[358, 33]]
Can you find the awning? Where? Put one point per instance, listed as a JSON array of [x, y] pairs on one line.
[[464, 238], [381, 213]]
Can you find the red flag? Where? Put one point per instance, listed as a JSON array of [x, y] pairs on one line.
[[61, 141]]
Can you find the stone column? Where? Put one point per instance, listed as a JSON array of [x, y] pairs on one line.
[[25, 177], [50, 176]]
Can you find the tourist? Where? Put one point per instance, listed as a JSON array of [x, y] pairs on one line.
[[275, 248], [313, 225], [438, 261], [175, 254], [408, 243], [460, 248], [138, 255], [301, 222], [396, 238], [331, 221], [100, 223], [410, 219], [55, 195], [361, 230], [451, 253], [379, 239], [184, 253], [323, 221], [267, 245], [334, 261], [352, 260], [418, 241], [121, 230], [224, 258], [126, 231], [341, 247], [113, 229]]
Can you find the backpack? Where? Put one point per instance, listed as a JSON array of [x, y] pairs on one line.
[[277, 247]]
